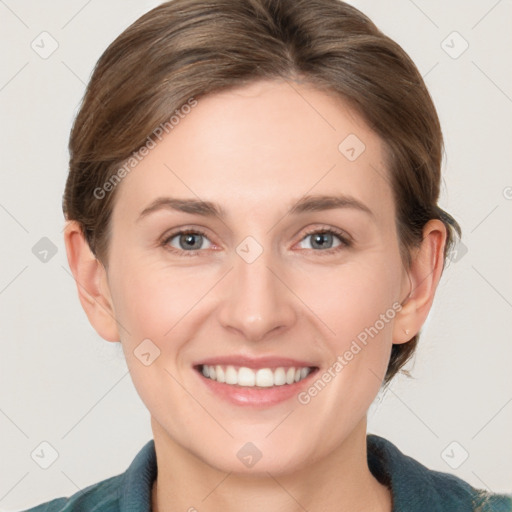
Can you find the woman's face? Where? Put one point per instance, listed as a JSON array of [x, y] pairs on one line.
[[251, 286]]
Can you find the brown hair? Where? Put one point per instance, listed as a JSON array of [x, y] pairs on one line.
[[191, 48]]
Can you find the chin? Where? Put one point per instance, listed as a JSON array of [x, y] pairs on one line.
[[251, 459]]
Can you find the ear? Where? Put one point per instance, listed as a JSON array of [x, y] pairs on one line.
[[421, 279], [91, 282]]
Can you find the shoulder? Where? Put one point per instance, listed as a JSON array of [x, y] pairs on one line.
[[489, 502], [102, 496], [415, 487], [130, 490]]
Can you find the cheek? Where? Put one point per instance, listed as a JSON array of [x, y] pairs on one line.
[[357, 305], [150, 301], [157, 304], [350, 298]]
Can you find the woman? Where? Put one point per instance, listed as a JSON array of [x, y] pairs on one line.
[[252, 212]]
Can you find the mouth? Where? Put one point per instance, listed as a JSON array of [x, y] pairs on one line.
[[245, 377], [259, 383]]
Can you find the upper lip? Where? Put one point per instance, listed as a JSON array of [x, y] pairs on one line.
[[255, 362]]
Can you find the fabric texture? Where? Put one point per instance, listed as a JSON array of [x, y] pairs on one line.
[[414, 487]]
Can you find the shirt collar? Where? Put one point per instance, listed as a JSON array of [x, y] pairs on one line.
[[413, 486], [137, 484]]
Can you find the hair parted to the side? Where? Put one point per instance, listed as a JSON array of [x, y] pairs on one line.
[[186, 49]]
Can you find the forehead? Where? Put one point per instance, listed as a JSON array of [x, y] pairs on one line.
[[266, 143]]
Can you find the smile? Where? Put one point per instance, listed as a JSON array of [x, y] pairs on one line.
[[248, 377]]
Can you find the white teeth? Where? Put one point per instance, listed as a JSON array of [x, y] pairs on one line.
[[264, 378], [231, 375], [280, 377], [247, 377], [220, 377]]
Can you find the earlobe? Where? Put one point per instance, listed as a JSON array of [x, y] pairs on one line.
[[91, 281], [424, 274]]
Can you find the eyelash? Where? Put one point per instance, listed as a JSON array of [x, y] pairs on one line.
[[345, 241]]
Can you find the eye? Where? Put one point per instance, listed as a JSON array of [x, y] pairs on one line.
[[191, 241], [186, 241], [324, 239]]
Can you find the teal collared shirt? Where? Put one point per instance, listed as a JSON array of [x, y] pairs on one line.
[[414, 487]]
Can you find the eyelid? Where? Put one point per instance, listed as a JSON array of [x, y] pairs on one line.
[[341, 233], [169, 235], [345, 239]]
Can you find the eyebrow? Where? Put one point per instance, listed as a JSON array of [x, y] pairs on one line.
[[311, 203]]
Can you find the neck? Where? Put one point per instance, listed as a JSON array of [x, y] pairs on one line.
[[341, 482]]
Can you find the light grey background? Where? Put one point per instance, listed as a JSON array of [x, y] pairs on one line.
[[61, 383]]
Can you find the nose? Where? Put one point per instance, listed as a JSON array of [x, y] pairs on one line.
[[257, 302]]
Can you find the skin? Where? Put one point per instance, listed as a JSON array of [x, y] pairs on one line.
[[256, 151]]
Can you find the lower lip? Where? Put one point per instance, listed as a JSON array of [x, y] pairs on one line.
[[256, 396]]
